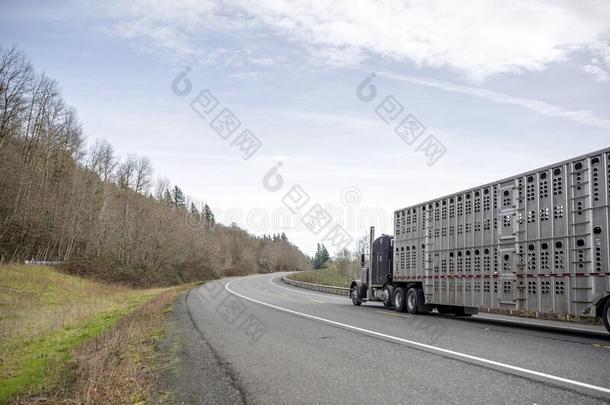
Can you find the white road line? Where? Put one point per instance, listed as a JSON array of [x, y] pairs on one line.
[[429, 348], [307, 293]]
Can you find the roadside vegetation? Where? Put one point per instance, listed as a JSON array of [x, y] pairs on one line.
[[123, 236], [119, 365], [46, 315], [86, 333], [106, 217], [337, 272]]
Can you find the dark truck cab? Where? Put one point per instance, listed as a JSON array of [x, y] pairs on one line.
[[376, 283], [376, 273]]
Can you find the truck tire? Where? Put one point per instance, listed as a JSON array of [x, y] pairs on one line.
[[606, 314], [400, 301], [355, 295], [412, 301], [388, 296]]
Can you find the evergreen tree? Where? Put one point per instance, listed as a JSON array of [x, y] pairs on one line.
[[316, 258], [209, 215], [325, 257], [321, 257], [178, 199]]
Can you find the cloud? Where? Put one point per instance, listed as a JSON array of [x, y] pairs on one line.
[[541, 107], [477, 38], [599, 67], [245, 76], [598, 73]]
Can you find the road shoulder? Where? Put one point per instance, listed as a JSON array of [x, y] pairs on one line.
[[189, 369]]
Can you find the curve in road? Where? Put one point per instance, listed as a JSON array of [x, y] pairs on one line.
[[319, 348]]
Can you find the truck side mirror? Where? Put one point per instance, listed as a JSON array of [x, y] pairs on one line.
[[362, 259]]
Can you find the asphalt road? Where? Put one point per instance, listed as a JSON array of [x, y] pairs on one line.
[[279, 344]]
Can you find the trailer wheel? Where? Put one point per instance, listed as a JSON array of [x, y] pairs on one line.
[[399, 299], [388, 296], [606, 314], [356, 299], [412, 301]]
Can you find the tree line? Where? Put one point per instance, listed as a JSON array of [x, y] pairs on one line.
[[102, 216]]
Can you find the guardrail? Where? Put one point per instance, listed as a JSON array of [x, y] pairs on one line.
[[42, 263], [318, 287]]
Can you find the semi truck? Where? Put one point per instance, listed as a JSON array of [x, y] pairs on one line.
[[533, 245]]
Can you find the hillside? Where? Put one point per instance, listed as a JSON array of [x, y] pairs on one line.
[[104, 217]]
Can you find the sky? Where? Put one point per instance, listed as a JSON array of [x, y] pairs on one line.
[[353, 108]]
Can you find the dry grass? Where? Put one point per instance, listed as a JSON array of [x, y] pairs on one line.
[[117, 366], [35, 300], [44, 315]]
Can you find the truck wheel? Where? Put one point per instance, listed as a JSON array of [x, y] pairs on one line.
[[388, 296], [356, 300], [399, 299], [412, 301], [606, 314]]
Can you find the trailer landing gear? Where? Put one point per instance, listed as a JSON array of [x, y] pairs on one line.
[[443, 310], [453, 310], [461, 311]]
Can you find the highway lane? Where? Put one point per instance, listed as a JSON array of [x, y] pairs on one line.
[[287, 345]]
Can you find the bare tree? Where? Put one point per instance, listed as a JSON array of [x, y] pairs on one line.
[[102, 160], [161, 187], [143, 175], [16, 75], [126, 172], [55, 204]]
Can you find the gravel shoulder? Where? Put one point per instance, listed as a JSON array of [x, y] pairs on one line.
[[190, 372]]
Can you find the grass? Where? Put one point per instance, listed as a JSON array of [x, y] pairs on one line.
[[331, 276], [118, 366], [44, 316]]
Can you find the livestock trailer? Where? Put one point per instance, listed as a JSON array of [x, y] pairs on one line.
[[534, 245]]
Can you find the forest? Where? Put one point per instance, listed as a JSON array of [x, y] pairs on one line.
[[65, 199]]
